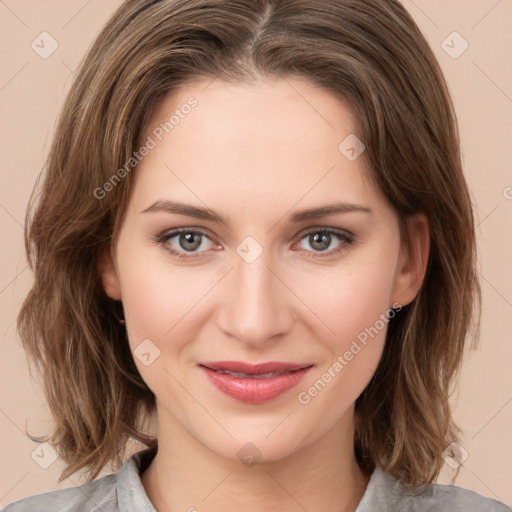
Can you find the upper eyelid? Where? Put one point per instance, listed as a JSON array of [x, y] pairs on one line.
[[166, 236], [177, 231]]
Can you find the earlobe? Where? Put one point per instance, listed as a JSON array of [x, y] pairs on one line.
[[108, 275], [413, 261]]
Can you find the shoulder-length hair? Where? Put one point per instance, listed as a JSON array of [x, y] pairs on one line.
[[371, 54]]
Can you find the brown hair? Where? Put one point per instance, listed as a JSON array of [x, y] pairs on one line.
[[370, 53]]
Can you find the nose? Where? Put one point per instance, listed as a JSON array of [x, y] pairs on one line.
[[257, 306]]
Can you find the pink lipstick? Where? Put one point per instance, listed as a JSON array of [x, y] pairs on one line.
[[254, 383]]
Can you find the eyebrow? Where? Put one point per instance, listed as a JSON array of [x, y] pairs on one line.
[[179, 208]]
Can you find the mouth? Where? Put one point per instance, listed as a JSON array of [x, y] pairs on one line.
[[254, 383]]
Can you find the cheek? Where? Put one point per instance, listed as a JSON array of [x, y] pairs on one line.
[[350, 359], [354, 309], [161, 305], [156, 296], [350, 299]]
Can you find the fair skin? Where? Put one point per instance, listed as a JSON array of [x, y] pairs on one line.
[[256, 154]]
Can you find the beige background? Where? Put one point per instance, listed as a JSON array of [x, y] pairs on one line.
[[480, 79]]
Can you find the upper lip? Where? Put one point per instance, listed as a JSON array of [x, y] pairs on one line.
[[253, 369]]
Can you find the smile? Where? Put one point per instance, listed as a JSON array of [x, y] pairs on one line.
[[254, 383]]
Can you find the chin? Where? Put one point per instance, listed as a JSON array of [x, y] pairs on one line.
[[262, 440]]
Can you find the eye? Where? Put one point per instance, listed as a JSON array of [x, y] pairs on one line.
[[189, 243], [185, 243], [323, 240]]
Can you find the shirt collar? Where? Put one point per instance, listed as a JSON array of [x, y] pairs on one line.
[[131, 495]]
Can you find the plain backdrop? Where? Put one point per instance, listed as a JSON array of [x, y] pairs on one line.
[[32, 89]]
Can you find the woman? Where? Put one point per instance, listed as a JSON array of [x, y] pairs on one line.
[[254, 224]]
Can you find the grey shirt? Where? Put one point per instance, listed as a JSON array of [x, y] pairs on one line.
[[123, 492]]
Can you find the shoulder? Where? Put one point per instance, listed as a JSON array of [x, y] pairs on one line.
[[385, 493], [98, 495], [456, 498], [123, 490]]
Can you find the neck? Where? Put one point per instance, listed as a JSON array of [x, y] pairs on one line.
[[323, 476]]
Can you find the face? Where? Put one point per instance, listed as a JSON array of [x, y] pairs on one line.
[[255, 313]]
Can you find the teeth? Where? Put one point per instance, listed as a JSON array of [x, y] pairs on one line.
[[245, 376]]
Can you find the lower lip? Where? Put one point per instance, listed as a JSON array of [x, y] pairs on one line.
[[254, 391]]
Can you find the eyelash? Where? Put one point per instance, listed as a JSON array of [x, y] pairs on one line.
[[346, 239]]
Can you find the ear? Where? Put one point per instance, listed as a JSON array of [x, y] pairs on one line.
[[108, 274], [413, 260]]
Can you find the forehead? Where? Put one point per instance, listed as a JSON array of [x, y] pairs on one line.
[[289, 110], [277, 138]]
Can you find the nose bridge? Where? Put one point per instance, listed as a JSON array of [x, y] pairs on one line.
[[255, 307]]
